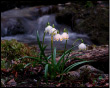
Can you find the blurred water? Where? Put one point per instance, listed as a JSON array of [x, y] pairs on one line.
[[31, 24]]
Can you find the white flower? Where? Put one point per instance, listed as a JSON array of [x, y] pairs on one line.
[[82, 46], [53, 30], [58, 37], [65, 36], [48, 28]]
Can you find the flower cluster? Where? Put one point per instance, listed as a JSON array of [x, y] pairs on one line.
[[64, 36], [51, 30]]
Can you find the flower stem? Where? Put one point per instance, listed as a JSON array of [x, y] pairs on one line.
[[77, 40], [53, 70], [52, 45], [43, 39], [65, 46], [63, 58]]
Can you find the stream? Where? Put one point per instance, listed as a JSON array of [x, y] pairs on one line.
[[23, 24]]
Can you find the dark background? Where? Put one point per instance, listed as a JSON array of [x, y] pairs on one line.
[[10, 4]]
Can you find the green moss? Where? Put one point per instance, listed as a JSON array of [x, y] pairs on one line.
[[13, 49]]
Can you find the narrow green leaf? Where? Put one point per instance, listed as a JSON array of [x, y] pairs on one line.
[[28, 57], [46, 71], [65, 53], [39, 41], [35, 58], [44, 47], [40, 46], [49, 57], [73, 65], [27, 65]]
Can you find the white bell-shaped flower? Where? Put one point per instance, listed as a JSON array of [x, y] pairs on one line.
[[53, 30], [48, 28], [58, 37], [65, 36], [82, 46]]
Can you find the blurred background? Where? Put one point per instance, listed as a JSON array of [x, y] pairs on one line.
[[88, 20]]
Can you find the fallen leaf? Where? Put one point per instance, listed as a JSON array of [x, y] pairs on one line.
[[58, 85], [88, 84], [11, 82], [6, 70]]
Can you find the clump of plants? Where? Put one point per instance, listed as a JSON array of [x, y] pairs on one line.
[[54, 68]]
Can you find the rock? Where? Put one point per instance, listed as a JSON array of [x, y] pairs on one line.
[[88, 69], [68, 3], [73, 75], [83, 72]]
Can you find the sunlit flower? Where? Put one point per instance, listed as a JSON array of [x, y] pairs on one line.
[[65, 36], [53, 30], [48, 28], [82, 46], [58, 37]]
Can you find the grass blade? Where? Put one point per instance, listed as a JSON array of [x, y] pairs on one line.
[[73, 65], [68, 51], [46, 71], [27, 65], [54, 56]]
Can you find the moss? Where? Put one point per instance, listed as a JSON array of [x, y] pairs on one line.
[[13, 49]]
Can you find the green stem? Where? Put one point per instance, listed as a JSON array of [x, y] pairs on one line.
[[77, 40], [65, 46], [52, 56], [52, 45], [43, 39], [63, 57]]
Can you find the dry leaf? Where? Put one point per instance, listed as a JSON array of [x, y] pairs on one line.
[[11, 82]]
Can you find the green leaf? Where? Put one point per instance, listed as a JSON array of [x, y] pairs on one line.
[[65, 53], [28, 57], [100, 77], [73, 65], [40, 46], [46, 71], [44, 47], [49, 57], [35, 58], [39, 42], [27, 65]]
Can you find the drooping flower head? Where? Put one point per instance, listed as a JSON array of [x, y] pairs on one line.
[[65, 36], [53, 30], [82, 46], [48, 28], [58, 37]]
